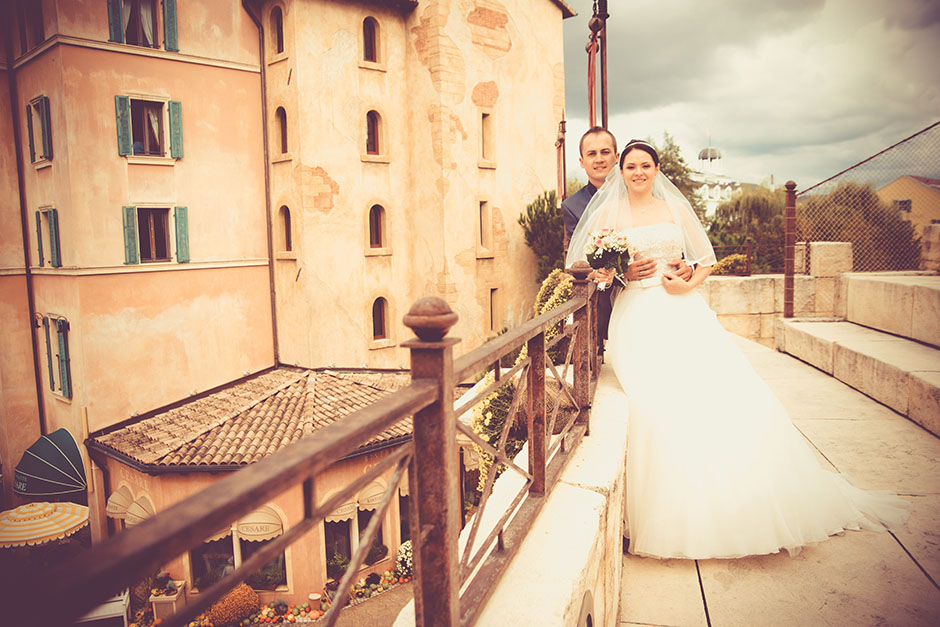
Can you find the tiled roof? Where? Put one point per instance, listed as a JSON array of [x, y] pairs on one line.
[[254, 418], [934, 183]]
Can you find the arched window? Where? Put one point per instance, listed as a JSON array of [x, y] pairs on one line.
[[379, 316], [281, 116], [372, 133], [277, 29], [376, 227], [287, 241], [370, 40]]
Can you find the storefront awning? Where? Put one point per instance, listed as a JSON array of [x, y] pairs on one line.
[[343, 512], [261, 524], [118, 502], [51, 466], [371, 495], [139, 511]]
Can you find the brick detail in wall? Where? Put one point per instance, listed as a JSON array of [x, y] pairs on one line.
[[485, 94], [438, 52], [319, 190], [488, 22]]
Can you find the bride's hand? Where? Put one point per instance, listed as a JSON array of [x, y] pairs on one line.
[[602, 275], [674, 284]]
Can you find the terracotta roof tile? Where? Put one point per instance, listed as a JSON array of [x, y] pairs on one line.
[[255, 418]]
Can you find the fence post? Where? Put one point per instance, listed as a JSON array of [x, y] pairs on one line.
[[747, 256], [583, 346], [788, 243], [433, 477], [535, 409]]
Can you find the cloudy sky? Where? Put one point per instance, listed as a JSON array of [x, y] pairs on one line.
[[797, 89]]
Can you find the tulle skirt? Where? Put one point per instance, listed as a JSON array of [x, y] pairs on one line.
[[715, 467]]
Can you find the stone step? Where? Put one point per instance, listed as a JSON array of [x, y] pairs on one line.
[[901, 373], [905, 304]]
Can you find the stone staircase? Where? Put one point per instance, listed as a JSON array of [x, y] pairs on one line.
[[886, 342]]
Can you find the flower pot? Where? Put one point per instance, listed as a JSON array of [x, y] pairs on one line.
[[168, 604]]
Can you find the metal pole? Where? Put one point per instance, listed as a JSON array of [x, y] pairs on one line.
[[602, 13], [789, 241]]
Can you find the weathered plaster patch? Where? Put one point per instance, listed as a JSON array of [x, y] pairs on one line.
[[486, 94], [558, 95], [318, 189], [488, 20], [445, 127], [438, 52]]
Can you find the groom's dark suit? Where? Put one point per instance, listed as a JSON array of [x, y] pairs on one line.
[[571, 209]]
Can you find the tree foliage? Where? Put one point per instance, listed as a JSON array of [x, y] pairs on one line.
[[758, 213], [673, 165], [544, 229], [881, 238]]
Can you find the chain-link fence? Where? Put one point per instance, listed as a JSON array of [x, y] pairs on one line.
[[881, 205]]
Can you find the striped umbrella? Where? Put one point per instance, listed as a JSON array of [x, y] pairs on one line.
[[35, 523]]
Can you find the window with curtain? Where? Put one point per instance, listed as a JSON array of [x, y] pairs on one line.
[[147, 127], [29, 18], [154, 235], [140, 19]]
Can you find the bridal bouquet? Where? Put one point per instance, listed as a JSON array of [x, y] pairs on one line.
[[608, 249]]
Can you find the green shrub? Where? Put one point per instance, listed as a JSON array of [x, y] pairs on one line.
[[544, 229], [732, 264]]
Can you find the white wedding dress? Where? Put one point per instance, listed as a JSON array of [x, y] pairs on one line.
[[715, 468]]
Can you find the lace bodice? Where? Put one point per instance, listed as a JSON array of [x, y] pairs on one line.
[[661, 241]]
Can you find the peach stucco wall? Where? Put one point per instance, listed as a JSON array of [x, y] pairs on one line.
[[439, 68], [305, 559], [925, 201]]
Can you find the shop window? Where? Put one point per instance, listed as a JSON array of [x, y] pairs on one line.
[[272, 575], [902, 205], [370, 40], [39, 129], [135, 22], [29, 19], [277, 29], [372, 133], [404, 514], [377, 227], [56, 330], [47, 237], [147, 234], [287, 243], [142, 125], [338, 547], [281, 117], [211, 561], [379, 319]]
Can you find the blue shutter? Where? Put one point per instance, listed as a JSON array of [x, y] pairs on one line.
[[55, 257], [46, 122], [39, 237], [169, 26], [122, 114], [45, 326], [29, 132], [115, 21], [180, 217], [130, 235], [65, 371], [176, 129]]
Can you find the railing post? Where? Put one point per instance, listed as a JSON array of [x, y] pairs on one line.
[[582, 348], [535, 410], [788, 242], [592, 324], [747, 256], [433, 479]]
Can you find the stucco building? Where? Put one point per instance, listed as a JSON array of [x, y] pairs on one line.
[[196, 192], [916, 198]]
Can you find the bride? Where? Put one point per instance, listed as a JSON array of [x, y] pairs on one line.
[[715, 468]]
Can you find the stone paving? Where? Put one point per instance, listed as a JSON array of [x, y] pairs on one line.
[[857, 579]]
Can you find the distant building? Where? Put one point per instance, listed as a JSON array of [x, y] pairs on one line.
[[916, 198], [714, 188]]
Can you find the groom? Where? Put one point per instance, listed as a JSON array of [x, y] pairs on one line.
[[598, 148]]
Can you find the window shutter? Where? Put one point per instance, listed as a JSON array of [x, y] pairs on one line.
[[122, 113], [65, 374], [180, 217], [169, 26], [45, 326], [130, 235], [176, 129], [29, 132], [46, 122], [115, 21], [39, 237], [55, 257]]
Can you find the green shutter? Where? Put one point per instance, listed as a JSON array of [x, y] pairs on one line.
[[169, 26], [115, 21], [180, 217], [29, 129], [46, 122], [45, 326], [65, 373], [55, 257], [176, 129], [122, 114], [39, 237], [130, 235]]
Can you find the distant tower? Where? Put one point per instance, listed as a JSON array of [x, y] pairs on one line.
[[707, 156]]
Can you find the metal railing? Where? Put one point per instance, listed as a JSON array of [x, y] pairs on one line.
[[450, 588]]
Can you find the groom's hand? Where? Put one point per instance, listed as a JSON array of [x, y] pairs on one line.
[[682, 269], [642, 269]]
